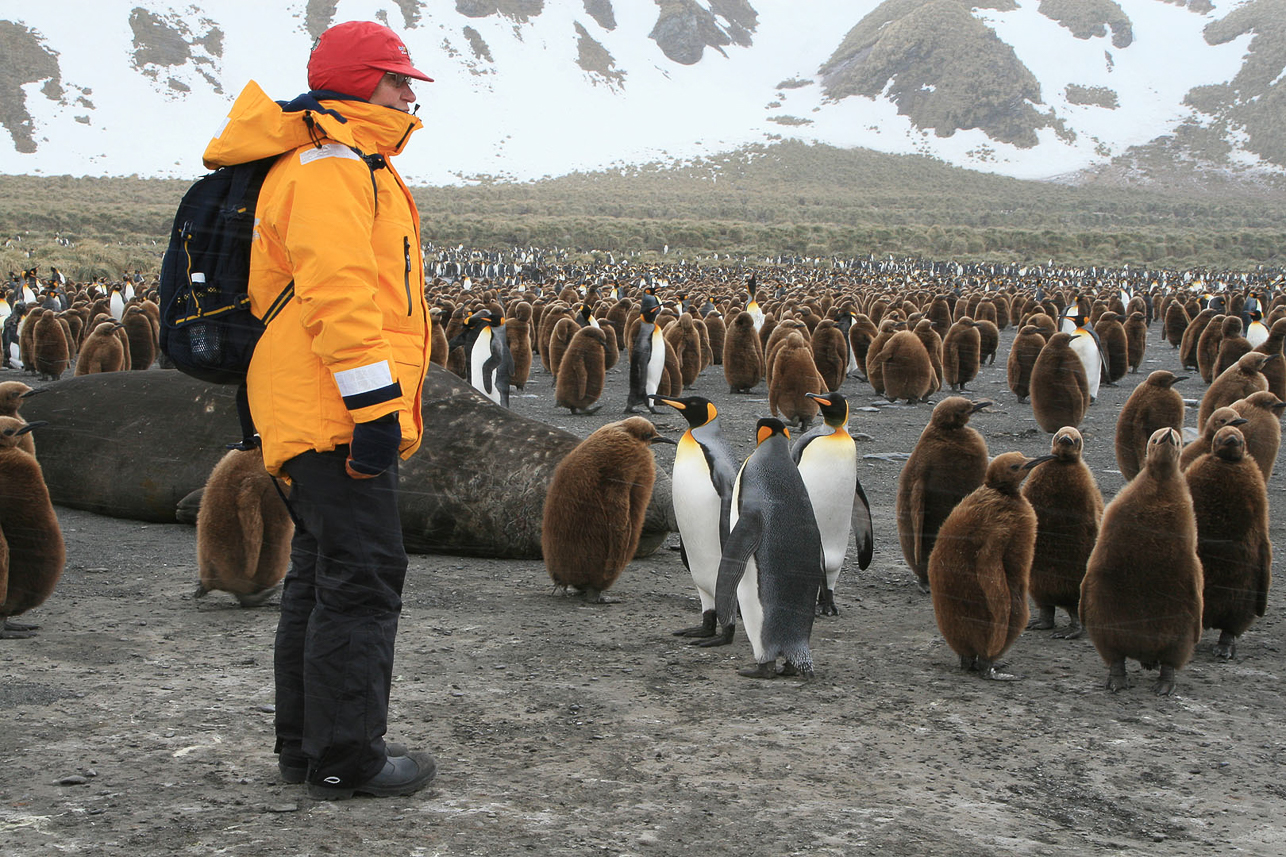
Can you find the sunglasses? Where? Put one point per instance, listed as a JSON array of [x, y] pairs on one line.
[[398, 80]]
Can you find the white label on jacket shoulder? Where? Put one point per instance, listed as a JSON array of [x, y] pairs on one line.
[[330, 150]]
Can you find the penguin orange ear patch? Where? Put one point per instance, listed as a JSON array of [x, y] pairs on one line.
[[763, 434]]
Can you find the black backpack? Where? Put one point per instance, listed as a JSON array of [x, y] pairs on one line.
[[207, 329]]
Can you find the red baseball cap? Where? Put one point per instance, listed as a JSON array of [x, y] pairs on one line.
[[353, 56]]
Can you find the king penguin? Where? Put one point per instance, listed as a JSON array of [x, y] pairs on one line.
[[490, 366], [827, 460], [32, 551], [1085, 344], [772, 563], [647, 358], [701, 488]]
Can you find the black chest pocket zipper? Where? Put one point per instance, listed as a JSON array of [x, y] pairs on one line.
[[406, 276]]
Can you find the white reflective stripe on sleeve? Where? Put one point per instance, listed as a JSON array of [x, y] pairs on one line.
[[330, 150], [363, 379], [222, 126]]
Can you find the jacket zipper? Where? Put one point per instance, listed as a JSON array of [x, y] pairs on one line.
[[406, 276]]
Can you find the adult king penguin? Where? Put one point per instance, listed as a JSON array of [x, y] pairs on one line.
[[701, 488], [827, 460], [647, 358], [772, 564], [490, 365], [1085, 343]]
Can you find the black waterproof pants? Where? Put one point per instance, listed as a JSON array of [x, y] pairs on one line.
[[340, 604]]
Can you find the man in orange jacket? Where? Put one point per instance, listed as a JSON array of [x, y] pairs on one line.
[[334, 387]]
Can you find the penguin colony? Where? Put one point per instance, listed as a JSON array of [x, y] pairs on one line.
[[795, 344]]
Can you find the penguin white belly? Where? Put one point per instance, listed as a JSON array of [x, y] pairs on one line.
[[757, 314], [1086, 349], [830, 475], [696, 507], [752, 608], [655, 363], [478, 357], [1256, 334]]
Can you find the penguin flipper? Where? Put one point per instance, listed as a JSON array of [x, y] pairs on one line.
[[996, 596], [916, 512], [742, 543], [1263, 577], [863, 530]]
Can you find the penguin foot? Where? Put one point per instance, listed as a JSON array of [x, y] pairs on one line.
[[724, 639], [1074, 630], [594, 596], [768, 670], [258, 599], [991, 672], [1226, 648], [1165, 684], [17, 630], [826, 602], [923, 585], [1117, 679], [707, 628], [1043, 621]]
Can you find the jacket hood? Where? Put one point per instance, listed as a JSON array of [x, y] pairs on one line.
[[258, 127]]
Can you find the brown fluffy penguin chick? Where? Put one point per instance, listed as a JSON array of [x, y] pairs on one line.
[[933, 346], [141, 336], [560, 338], [1230, 502], [1154, 404], [1060, 392], [518, 338], [1207, 349], [102, 351], [860, 336], [988, 338], [793, 376], [243, 530], [949, 461], [1199, 447], [1176, 324], [32, 553], [1262, 412], [1069, 508], [961, 354], [1136, 340], [874, 368], [830, 354], [743, 362], [1275, 370], [51, 350], [1236, 382], [1232, 346], [1115, 347], [438, 349], [12, 395], [1192, 335], [906, 369], [595, 506], [980, 564], [581, 370], [1141, 597], [1022, 359]]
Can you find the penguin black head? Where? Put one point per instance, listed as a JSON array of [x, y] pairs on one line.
[[697, 410], [834, 408], [768, 427]]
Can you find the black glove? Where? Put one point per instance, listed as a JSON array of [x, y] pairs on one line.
[[374, 448]]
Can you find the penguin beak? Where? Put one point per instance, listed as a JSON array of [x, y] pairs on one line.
[[29, 426], [1028, 465], [1271, 357], [1181, 378], [978, 406], [660, 438], [664, 401], [1240, 421], [30, 393]]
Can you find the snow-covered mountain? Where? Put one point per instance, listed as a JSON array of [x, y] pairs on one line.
[[533, 88]]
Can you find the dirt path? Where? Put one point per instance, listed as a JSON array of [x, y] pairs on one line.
[[139, 720]]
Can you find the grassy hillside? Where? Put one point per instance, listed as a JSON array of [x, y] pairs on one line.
[[789, 198]]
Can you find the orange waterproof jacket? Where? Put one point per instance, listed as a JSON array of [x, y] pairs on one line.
[[352, 343]]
